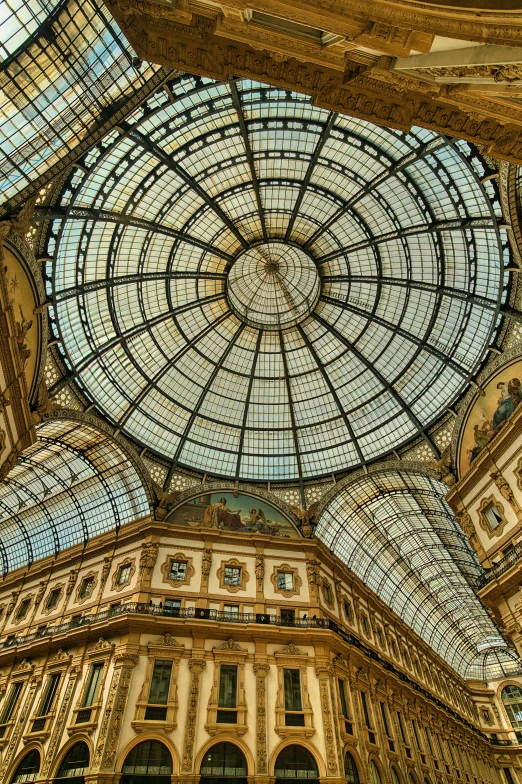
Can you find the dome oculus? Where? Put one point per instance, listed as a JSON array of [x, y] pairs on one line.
[[257, 288], [273, 286]]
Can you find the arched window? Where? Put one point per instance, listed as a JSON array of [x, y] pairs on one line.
[[223, 762], [29, 768], [74, 765], [512, 699], [149, 762], [394, 776], [375, 776], [350, 769], [297, 764], [412, 779]]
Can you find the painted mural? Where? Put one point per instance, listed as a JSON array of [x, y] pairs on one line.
[[22, 300], [243, 514], [503, 393]]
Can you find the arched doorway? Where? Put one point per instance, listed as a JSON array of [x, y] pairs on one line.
[[375, 776], [297, 764], [223, 762], [74, 765], [512, 701], [350, 769], [28, 768], [150, 762]]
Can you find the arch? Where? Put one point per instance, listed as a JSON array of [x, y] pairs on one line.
[[74, 765], [227, 739], [310, 748], [394, 529], [395, 776], [511, 696], [75, 465], [218, 762], [28, 767], [374, 773], [151, 735], [411, 778], [351, 771], [148, 762], [295, 763]]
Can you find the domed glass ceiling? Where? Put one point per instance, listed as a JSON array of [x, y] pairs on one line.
[[257, 288]]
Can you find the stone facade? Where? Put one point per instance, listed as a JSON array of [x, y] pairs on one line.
[[342, 637]]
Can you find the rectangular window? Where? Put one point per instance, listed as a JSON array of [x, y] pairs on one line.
[[385, 721], [231, 611], [288, 617], [416, 734], [428, 738], [366, 710], [22, 610], [52, 601], [227, 686], [159, 687], [172, 606], [292, 686], [402, 729], [49, 694], [509, 776], [12, 699], [178, 570], [344, 700], [232, 575], [91, 690], [493, 517], [86, 589], [124, 574], [327, 593], [285, 581]]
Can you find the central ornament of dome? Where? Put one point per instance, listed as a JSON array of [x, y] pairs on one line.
[[273, 285]]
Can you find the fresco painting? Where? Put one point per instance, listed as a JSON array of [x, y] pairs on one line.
[[489, 414], [225, 512]]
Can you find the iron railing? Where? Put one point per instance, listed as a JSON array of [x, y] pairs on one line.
[[509, 560]]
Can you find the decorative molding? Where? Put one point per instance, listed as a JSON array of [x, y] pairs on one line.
[[116, 586], [244, 575], [261, 670], [46, 610], [296, 580], [148, 558], [486, 503], [196, 667], [290, 650], [60, 722], [189, 572], [229, 645], [82, 599]]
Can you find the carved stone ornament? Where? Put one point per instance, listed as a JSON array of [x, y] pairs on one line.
[[101, 645], [71, 581], [166, 567], [291, 650], [296, 580], [244, 576], [229, 645], [169, 640], [148, 558], [119, 586], [60, 656]]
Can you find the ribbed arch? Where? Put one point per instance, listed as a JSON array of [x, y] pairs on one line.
[[74, 483], [394, 530]]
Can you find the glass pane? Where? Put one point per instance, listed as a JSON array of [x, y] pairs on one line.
[[227, 686], [93, 684], [292, 686], [159, 687]]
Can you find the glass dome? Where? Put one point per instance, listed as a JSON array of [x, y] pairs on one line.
[[256, 288]]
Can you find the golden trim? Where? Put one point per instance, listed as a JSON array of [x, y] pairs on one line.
[[177, 558], [296, 580], [116, 586], [486, 503], [244, 575]]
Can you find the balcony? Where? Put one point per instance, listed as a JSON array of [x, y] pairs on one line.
[[509, 560]]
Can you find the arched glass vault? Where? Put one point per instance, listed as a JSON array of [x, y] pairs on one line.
[[64, 67], [257, 288], [74, 483], [394, 530]]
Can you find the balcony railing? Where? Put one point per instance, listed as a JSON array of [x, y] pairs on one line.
[[143, 608], [509, 560]]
